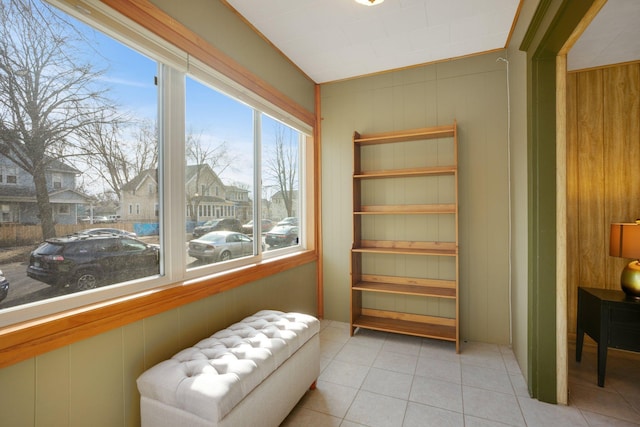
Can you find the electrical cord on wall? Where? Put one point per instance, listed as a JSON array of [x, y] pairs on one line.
[[506, 61]]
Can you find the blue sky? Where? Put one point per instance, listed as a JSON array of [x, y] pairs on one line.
[[214, 117], [211, 115], [217, 119]]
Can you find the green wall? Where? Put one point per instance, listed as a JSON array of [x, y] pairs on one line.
[[519, 197], [552, 25], [92, 382], [472, 91]]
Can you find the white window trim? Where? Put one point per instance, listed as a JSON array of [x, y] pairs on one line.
[[176, 64]]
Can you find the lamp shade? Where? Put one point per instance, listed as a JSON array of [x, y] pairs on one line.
[[624, 241]]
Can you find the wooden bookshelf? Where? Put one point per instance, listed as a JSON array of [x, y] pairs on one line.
[[369, 283]]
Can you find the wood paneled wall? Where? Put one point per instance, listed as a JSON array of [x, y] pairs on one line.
[[603, 173]]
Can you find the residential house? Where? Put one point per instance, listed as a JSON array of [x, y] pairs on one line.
[[18, 194], [514, 255], [278, 209], [243, 207], [139, 197], [207, 197]]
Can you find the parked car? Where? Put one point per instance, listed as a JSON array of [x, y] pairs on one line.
[[100, 220], [221, 246], [86, 261], [282, 235], [228, 224], [290, 220], [266, 225], [4, 286], [115, 231], [113, 218], [84, 219]]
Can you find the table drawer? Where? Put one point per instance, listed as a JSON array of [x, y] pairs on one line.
[[624, 338], [627, 317]]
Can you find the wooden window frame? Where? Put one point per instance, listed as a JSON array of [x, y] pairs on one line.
[[30, 338]]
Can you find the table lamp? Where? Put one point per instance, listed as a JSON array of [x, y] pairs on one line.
[[624, 242]]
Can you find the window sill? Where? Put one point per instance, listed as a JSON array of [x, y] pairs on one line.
[[28, 339]]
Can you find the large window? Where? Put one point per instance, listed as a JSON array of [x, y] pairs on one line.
[[230, 213], [78, 110], [219, 158], [153, 157]]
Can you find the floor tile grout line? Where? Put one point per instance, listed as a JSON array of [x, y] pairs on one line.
[[515, 394], [504, 355]]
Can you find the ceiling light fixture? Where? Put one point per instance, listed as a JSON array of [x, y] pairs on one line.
[[369, 2]]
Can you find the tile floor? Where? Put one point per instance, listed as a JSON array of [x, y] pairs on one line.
[[379, 379]]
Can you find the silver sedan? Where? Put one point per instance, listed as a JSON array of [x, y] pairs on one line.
[[220, 246]]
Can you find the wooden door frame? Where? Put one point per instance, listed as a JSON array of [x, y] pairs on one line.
[[562, 350]]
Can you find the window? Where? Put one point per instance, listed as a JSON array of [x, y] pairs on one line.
[[11, 175], [63, 209], [223, 136], [6, 213], [220, 147], [83, 81], [56, 178]]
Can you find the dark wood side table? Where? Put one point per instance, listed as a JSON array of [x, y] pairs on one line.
[[611, 319]]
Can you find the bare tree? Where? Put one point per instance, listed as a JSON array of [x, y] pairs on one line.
[[143, 150], [282, 167], [47, 92], [241, 185], [215, 156], [115, 158]]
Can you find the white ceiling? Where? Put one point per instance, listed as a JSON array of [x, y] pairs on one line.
[[612, 37], [337, 39], [332, 40]]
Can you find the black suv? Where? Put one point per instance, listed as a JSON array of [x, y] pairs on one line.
[[228, 224], [86, 261]]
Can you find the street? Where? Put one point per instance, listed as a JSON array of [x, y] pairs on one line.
[[23, 289]]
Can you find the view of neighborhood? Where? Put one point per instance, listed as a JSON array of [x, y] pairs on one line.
[[209, 198], [81, 151]]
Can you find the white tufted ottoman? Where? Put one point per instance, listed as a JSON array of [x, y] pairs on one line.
[[251, 374]]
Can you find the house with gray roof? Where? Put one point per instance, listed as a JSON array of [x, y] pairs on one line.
[[206, 197], [18, 193]]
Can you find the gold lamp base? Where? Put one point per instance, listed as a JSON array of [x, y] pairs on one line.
[[630, 280]]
